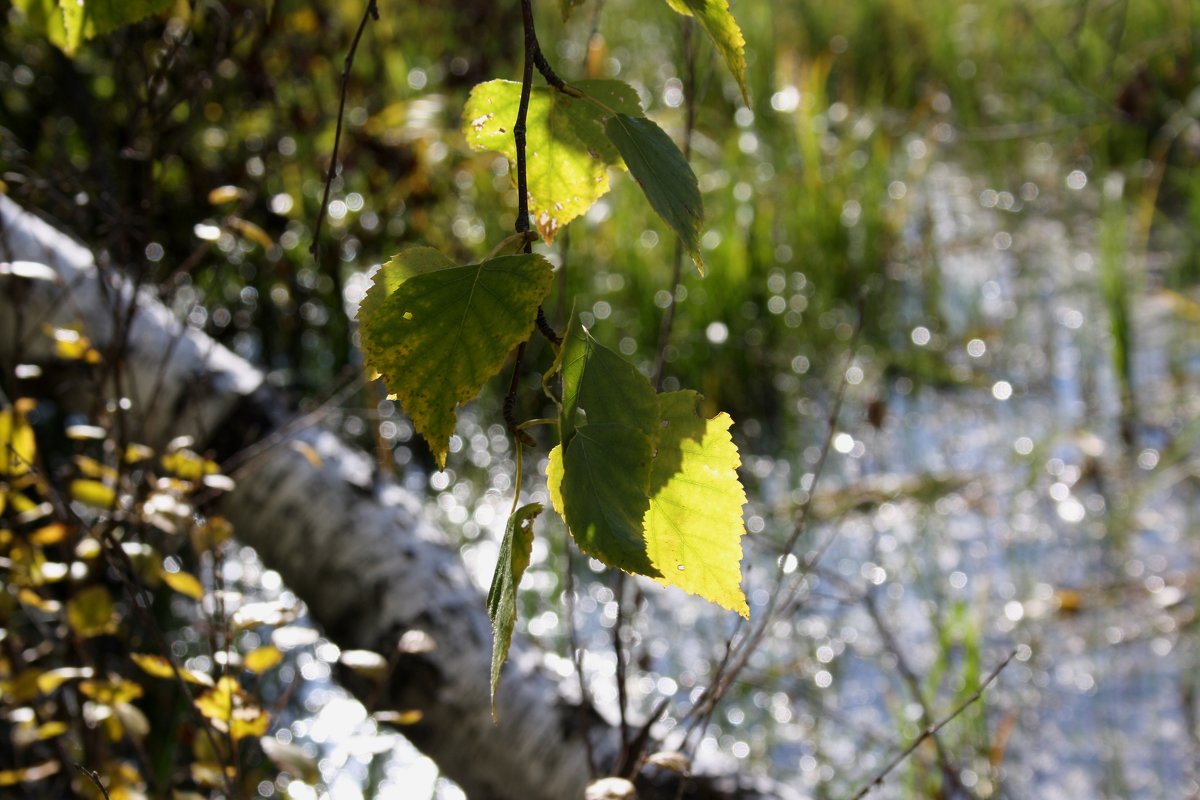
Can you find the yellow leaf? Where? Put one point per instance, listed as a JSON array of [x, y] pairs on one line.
[[91, 468], [183, 582], [188, 465], [248, 721], [410, 717], [17, 444], [51, 730], [230, 710], [11, 777], [47, 535], [93, 493], [50, 680], [44, 604], [209, 776], [91, 613], [262, 659], [138, 452], [308, 451], [160, 667], [252, 232], [694, 526], [226, 194], [212, 533], [110, 691]]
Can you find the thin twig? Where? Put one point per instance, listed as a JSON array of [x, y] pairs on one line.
[[909, 676], [94, 777], [369, 13], [933, 730], [577, 660]]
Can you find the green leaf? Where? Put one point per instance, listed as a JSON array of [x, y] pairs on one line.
[[694, 526], [601, 493], [46, 18], [87, 19], [714, 16], [567, 151], [514, 557], [402, 266], [664, 175], [441, 334]]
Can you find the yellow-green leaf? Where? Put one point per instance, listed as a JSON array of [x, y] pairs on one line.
[[567, 152], [694, 523], [440, 335], [160, 667], [91, 613], [514, 556], [262, 658], [183, 582], [41, 771], [93, 493], [230, 710], [718, 22], [17, 443]]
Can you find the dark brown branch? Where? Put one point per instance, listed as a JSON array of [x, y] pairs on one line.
[[371, 12]]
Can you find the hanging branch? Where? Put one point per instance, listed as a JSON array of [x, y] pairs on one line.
[[522, 223], [371, 12]]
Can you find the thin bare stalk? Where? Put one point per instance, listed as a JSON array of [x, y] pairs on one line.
[[369, 13]]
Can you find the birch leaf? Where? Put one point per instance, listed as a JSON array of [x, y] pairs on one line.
[[440, 335], [665, 176], [694, 523], [567, 151], [515, 553], [718, 22]]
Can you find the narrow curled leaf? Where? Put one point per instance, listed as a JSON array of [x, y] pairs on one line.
[[514, 557], [567, 151], [663, 173], [718, 22], [694, 522], [441, 334]]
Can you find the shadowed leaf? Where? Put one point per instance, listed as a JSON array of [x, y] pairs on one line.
[[663, 173]]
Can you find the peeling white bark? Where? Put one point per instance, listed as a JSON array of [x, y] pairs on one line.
[[350, 542]]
